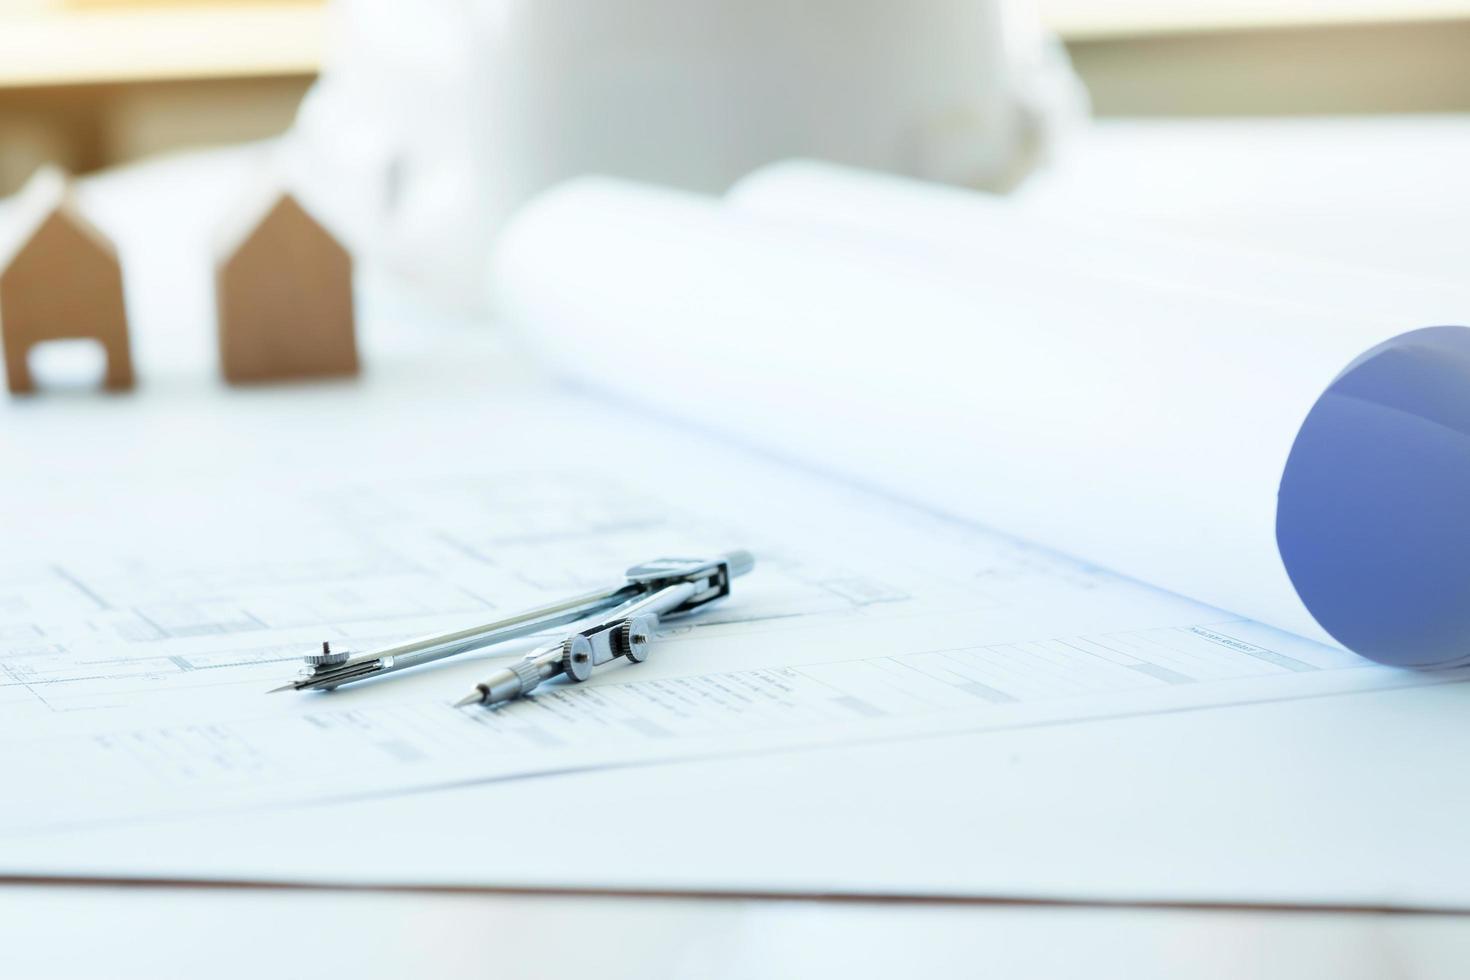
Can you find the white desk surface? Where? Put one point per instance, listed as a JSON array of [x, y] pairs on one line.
[[224, 933], [1374, 801]]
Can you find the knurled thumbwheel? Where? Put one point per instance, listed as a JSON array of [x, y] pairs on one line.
[[327, 657], [576, 657], [634, 637]]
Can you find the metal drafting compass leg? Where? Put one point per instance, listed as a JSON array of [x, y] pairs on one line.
[[625, 632]]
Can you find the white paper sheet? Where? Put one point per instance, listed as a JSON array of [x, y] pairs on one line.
[[1130, 401], [323, 507], [134, 657], [1352, 800], [159, 756]]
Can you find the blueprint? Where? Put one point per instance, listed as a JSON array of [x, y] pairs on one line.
[[132, 681]]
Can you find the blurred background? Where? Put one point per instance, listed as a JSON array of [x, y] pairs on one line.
[[91, 83]]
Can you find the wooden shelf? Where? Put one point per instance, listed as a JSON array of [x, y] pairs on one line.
[[106, 44], [1089, 19]]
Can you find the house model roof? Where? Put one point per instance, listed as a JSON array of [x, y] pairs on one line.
[[48, 192], [252, 212]]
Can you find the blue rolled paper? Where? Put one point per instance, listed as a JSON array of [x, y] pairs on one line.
[[1373, 511]]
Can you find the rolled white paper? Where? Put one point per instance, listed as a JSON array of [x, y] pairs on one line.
[[1136, 403]]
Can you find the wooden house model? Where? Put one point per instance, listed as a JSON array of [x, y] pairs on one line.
[[60, 279], [284, 296]]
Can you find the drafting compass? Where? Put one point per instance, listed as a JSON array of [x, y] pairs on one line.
[[617, 621]]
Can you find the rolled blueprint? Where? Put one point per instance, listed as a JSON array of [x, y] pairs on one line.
[[1281, 440]]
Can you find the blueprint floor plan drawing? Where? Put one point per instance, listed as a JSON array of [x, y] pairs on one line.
[[142, 670]]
